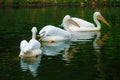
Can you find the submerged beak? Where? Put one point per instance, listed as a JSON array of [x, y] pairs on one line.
[[40, 39], [74, 22], [38, 36], [100, 17], [41, 35]]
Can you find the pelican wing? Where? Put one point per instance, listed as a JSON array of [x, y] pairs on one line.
[[50, 30], [24, 46], [83, 23], [54, 32], [34, 44]]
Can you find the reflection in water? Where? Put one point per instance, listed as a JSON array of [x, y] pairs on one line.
[[68, 55], [52, 49], [83, 36], [78, 38], [97, 45], [98, 42], [30, 64]]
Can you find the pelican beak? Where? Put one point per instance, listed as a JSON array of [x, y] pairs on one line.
[[100, 17], [40, 39], [41, 35], [74, 22], [38, 36]]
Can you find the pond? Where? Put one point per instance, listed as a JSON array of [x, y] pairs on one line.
[[93, 58]]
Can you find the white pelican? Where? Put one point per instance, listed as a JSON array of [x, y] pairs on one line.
[[31, 48], [51, 33], [83, 25]]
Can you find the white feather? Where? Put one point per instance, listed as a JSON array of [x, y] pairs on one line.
[[52, 33], [31, 48]]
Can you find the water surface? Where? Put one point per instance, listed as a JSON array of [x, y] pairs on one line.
[[85, 59]]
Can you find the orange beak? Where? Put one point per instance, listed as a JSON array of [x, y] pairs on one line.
[[100, 17]]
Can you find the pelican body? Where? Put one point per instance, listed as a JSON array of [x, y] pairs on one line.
[[83, 25], [51, 33], [31, 48]]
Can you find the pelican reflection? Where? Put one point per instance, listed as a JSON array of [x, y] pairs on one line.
[[83, 36], [30, 64], [98, 43], [53, 49]]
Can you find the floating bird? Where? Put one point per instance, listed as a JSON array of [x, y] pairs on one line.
[[83, 25], [51, 33], [31, 48]]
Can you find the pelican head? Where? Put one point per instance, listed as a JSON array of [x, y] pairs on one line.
[[34, 30], [65, 19], [100, 17]]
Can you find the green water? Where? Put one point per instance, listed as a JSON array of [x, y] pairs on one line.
[[71, 60]]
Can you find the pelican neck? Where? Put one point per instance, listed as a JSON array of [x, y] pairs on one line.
[[97, 22], [34, 36]]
